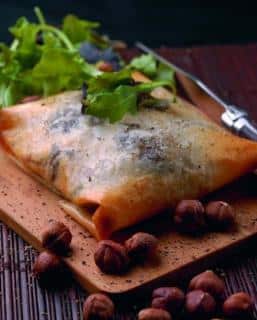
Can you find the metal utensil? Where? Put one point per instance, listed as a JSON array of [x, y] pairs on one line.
[[236, 119]]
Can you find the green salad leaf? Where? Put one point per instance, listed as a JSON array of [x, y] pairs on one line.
[[165, 73], [44, 60], [145, 63], [114, 104], [109, 80], [58, 70], [24, 48], [10, 93], [113, 94], [78, 30], [10, 86], [148, 65], [31, 68]]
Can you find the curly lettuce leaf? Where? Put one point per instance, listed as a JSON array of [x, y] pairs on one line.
[[26, 52], [165, 73], [144, 63], [109, 80], [157, 72], [29, 67], [10, 93], [114, 104], [10, 86], [79, 30], [44, 60], [58, 70]]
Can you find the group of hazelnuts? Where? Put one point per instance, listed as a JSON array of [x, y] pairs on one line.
[[203, 300], [48, 267], [114, 258], [190, 216], [205, 291]]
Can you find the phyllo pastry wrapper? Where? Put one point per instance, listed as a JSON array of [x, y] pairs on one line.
[[116, 175]]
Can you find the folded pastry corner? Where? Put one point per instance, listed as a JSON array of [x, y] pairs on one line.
[[115, 175]]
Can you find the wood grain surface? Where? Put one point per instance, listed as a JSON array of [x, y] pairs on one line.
[[231, 72]]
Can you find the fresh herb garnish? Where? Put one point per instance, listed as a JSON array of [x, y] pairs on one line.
[[148, 65], [78, 30], [114, 104], [113, 94], [44, 60], [28, 68], [145, 63]]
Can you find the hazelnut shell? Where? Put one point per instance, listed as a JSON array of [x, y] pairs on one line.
[[168, 298], [209, 282], [141, 245], [189, 216], [111, 257], [98, 306], [220, 215], [237, 304], [154, 314], [50, 271], [56, 237], [199, 303]]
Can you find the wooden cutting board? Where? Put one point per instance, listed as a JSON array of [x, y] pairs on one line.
[[27, 206]]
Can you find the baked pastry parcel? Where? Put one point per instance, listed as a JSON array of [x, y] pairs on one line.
[[115, 175]]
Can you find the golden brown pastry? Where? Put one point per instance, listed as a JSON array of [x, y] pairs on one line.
[[115, 175]]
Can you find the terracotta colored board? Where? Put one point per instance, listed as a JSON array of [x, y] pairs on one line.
[[20, 295], [27, 206]]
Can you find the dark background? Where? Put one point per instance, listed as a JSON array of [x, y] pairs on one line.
[[156, 22]]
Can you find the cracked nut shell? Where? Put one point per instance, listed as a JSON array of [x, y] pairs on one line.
[[48, 268], [98, 306], [56, 237], [141, 245], [199, 303], [220, 214], [209, 282], [189, 216], [111, 257], [154, 314], [168, 298], [237, 304]]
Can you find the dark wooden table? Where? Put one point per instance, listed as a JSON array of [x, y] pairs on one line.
[[232, 72]]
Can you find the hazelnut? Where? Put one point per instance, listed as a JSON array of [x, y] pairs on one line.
[[209, 282], [104, 66], [56, 237], [48, 269], [168, 298], [111, 257], [154, 314], [98, 306], [141, 245], [220, 214], [237, 304], [189, 216], [200, 304]]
